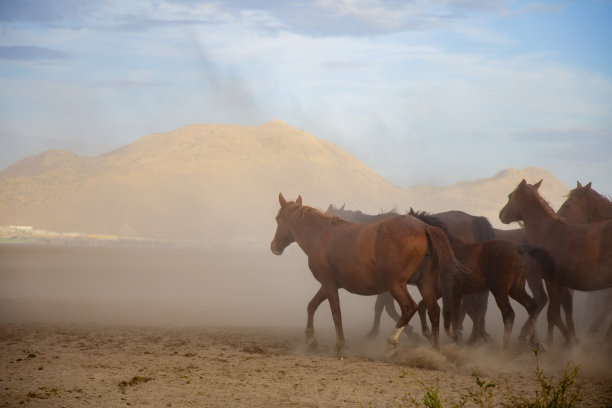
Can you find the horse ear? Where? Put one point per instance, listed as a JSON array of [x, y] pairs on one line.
[[523, 183], [343, 204], [578, 185], [299, 200], [588, 185], [330, 208], [538, 184], [282, 200]]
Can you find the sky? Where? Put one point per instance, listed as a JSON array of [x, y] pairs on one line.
[[423, 92]]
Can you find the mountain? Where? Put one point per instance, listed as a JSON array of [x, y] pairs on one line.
[[220, 183], [487, 196]]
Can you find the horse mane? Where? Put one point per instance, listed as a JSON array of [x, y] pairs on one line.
[[359, 217], [430, 219], [545, 204], [588, 192], [305, 211]]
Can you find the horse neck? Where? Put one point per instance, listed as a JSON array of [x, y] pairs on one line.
[[308, 227], [538, 218], [598, 209]]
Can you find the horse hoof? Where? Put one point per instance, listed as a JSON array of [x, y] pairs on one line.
[[372, 334], [312, 345], [390, 353]]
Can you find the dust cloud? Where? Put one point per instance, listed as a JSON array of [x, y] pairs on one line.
[[247, 287]]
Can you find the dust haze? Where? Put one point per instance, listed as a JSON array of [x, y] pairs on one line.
[[171, 287]]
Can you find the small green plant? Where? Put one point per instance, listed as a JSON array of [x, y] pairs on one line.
[[481, 397], [562, 395], [431, 398]]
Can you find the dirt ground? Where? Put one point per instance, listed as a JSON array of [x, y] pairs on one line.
[[52, 365], [107, 327]]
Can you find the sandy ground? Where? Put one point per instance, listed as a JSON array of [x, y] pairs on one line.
[[104, 366], [83, 327]]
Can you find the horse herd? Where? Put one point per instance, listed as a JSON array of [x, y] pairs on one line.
[[460, 258]]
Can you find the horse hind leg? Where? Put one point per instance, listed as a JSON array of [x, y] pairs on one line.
[[477, 311], [379, 306], [408, 307], [567, 302], [422, 309]]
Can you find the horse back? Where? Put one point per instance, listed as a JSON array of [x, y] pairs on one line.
[[362, 258]]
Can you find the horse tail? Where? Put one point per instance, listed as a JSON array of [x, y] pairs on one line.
[[483, 230], [450, 271], [542, 258]]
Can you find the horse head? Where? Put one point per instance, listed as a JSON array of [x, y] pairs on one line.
[[584, 205], [574, 209], [516, 206], [284, 236]]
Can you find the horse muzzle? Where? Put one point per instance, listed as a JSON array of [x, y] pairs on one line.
[[275, 248]]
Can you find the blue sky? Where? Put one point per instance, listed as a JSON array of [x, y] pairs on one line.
[[423, 92]]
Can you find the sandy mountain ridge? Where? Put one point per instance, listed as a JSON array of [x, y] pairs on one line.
[[219, 183]]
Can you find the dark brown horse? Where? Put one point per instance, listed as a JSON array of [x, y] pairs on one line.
[[534, 281], [582, 206], [467, 227], [582, 252], [500, 267], [368, 259]]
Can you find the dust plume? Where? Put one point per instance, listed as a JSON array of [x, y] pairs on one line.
[[222, 286]]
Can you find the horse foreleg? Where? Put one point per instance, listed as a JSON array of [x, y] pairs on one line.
[[567, 302], [603, 302], [378, 309], [554, 312], [318, 298], [334, 304], [520, 295], [534, 280]]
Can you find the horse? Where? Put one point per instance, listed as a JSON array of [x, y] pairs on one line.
[[500, 267], [467, 227], [368, 259], [534, 281], [582, 252], [585, 205]]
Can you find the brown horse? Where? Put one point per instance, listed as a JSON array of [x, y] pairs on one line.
[[368, 259], [534, 281], [582, 252], [585, 205], [467, 227], [582, 206], [500, 267]]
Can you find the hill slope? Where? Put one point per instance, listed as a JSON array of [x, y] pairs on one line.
[[220, 183]]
